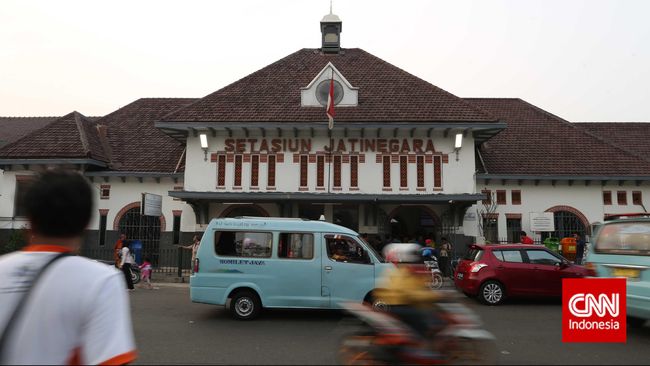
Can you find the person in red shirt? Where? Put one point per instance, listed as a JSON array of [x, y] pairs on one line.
[[525, 239]]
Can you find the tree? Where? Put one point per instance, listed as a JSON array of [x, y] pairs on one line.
[[485, 212], [17, 240]]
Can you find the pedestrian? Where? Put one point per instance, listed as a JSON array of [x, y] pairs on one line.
[[525, 239], [145, 270], [57, 308], [580, 247], [117, 249], [126, 261], [194, 247], [445, 252]]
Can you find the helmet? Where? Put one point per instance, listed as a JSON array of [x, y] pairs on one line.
[[402, 252]]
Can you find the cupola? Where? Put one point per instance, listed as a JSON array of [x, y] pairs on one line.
[[331, 27]]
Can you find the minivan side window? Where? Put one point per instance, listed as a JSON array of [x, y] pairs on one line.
[[243, 244], [296, 246], [508, 256], [342, 248]]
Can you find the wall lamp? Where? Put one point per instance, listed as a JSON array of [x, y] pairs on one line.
[[204, 145], [459, 144]]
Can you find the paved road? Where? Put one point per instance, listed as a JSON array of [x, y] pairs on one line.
[[170, 330]]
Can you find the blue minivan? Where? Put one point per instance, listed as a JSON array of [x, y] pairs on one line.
[[250, 263], [621, 248]]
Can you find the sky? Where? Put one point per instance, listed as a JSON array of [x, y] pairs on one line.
[[580, 60]]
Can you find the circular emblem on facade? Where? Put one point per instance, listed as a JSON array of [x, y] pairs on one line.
[[323, 90]]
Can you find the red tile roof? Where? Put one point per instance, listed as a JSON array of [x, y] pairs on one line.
[[386, 94], [537, 142], [70, 136], [136, 145], [13, 128], [632, 136]]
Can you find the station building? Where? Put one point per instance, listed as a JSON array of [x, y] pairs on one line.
[[404, 159]]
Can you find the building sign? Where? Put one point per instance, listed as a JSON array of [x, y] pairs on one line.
[[380, 145], [151, 204], [542, 221]]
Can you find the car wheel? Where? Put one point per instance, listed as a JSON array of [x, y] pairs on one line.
[[633, 322], [491, 293], [245, 305]]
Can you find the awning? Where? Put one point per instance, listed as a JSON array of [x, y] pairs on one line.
[[276, 197]]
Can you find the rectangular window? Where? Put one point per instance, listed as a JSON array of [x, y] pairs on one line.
[[637, 199], [22, 184], [304, 170], [238, 163], [177, 230], [102, 230], [104, 191], [621, 197], [488, 198], [255, 170], [337, 171], [296, 246], [607, 197], [354, 171], [403, 172], [513, 226], [437, 171], [243, 244], [420, 169], [501, 197], [386, 163], [320, 171], [513, 256], [516, 197], [271, 171], [221, 171]]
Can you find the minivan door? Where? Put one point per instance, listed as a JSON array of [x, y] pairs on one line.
[[348, 271]]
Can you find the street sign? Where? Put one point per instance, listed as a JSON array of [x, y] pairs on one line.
[[542, 221], [151, 204]]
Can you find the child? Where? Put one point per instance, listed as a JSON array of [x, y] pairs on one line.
[[145, 270]]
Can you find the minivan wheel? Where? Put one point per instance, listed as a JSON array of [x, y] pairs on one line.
[[491, 293], [633, 322], [380, 305], [245, 305]]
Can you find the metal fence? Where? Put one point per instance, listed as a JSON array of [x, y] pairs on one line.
[[170, 261]]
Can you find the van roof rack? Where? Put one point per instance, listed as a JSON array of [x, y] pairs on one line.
[[272, 218], [610, 217]]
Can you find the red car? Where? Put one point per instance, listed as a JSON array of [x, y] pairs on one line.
[[492, 272]]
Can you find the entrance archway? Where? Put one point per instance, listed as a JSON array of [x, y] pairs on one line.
[[567, 220], [412, 222], [146, 229], [244, 210]]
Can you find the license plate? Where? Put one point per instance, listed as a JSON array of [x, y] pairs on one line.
[[459, 276], [630, 273]]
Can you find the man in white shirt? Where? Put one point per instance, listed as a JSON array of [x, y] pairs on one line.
[[76, 311]]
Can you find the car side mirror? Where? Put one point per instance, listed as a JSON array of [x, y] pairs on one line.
[[563, 264]]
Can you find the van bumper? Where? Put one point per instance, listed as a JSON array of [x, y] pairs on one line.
[[208, 295]]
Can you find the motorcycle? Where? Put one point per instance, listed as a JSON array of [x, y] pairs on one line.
[[136, 275], [431, 265], [454, 336]]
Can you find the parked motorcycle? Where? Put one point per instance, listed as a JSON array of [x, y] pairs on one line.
[[455, 336], [135, 270], [431, 265]]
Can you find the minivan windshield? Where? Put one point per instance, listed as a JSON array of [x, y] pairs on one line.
[[372, 249], [624, 238]]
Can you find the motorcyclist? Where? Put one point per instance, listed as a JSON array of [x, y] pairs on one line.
[[405, 292]]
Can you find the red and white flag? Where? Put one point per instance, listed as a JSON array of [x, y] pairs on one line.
[[330, 104]]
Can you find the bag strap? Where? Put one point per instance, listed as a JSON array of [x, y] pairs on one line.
[[21, 304]]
